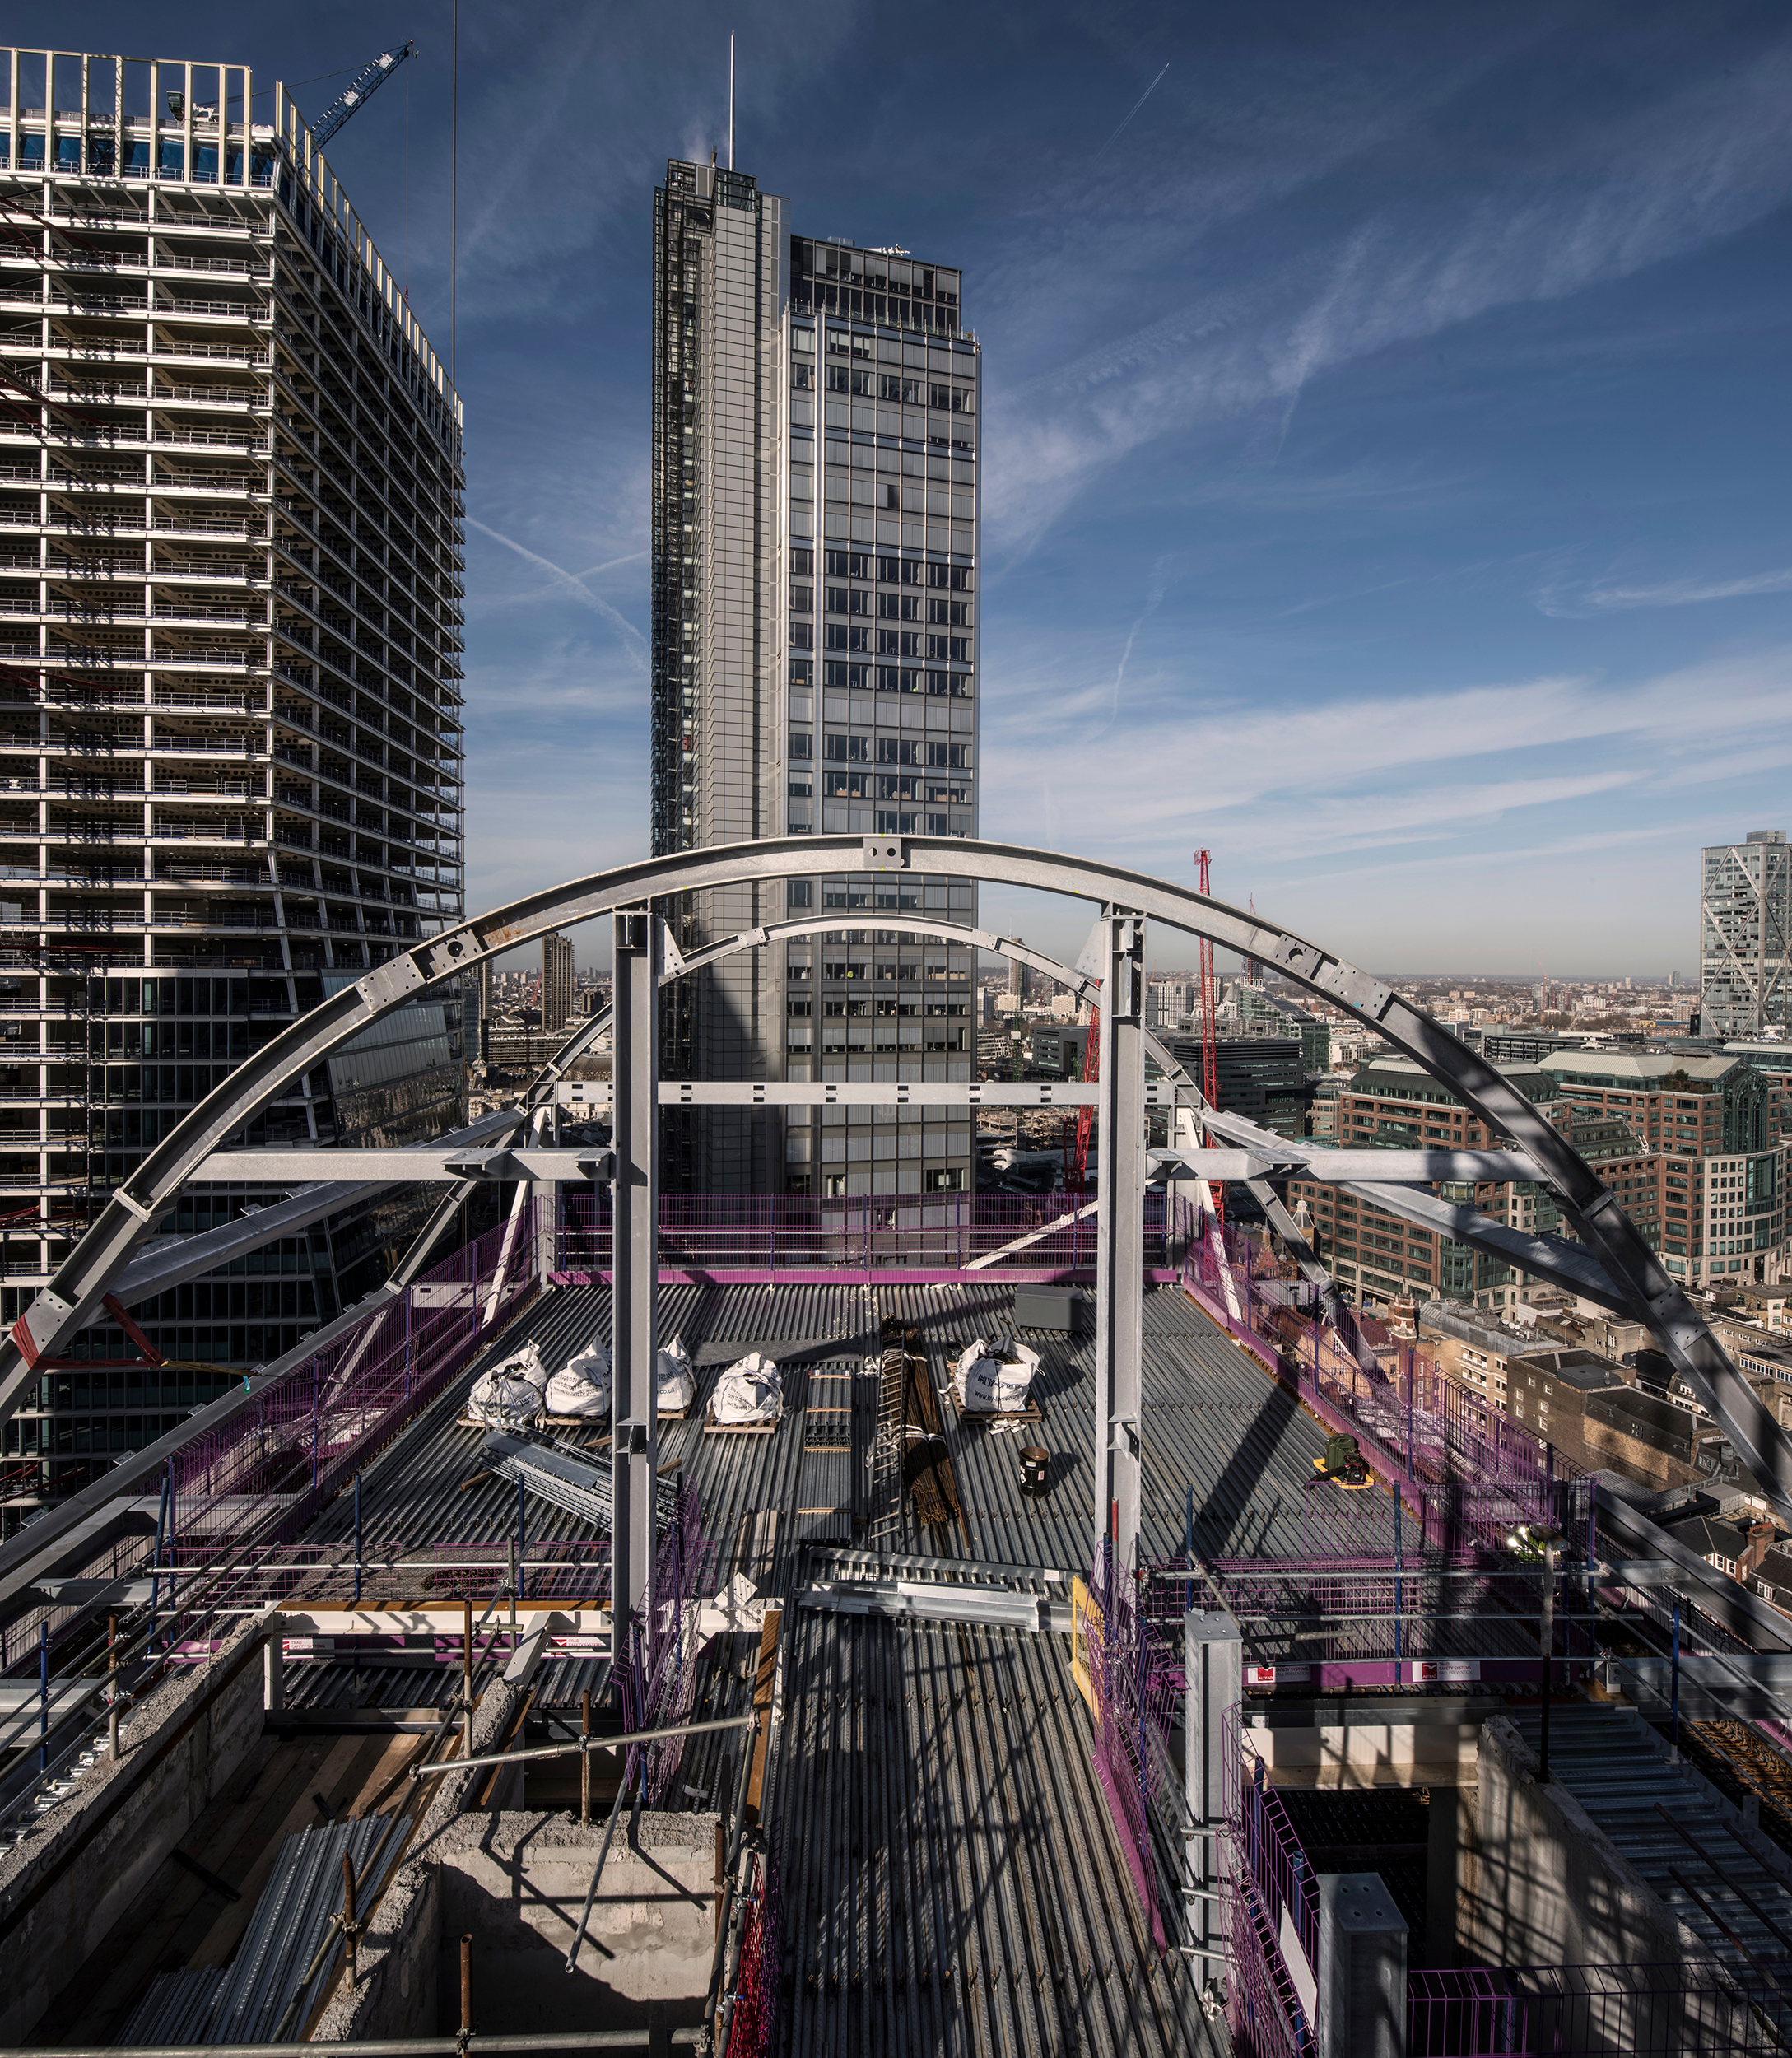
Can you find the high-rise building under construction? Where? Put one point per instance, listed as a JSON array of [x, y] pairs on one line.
[[815, 570], [230, 564]]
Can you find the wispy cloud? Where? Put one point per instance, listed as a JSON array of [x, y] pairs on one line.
[[1684, 592], [633, 639], [1639, 193]]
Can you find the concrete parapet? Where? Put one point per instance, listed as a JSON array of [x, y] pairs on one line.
[[1545, 1885], [62, 1888]]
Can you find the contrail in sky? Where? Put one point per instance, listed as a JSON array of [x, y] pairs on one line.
[[1138, 104]]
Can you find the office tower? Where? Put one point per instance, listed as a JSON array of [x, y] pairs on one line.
[[556, 981], [230, 543], [1745, 920], [814, 668], [1020, 981]]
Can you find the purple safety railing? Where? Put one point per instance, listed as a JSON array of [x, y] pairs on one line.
[[1714, 2009], [1271, 1900], [1136, 1675], [765, 1237]]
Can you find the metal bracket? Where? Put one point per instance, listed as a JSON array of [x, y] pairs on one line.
[[391, 981], [886, 854]]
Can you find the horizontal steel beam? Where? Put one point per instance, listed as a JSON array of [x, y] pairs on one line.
[[925, 1600], [173, 1262], [1067, 1093], [423, 1163], [1333, 1168]]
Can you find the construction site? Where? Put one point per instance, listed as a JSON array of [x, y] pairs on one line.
[[579, 1611], [867, 1625]]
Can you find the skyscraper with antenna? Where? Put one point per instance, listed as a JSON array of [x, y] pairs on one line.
[[815, 551]]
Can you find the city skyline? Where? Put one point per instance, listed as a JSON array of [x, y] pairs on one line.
[[1379, 455]]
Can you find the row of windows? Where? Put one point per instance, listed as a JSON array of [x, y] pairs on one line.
[[886, 571], [899, 390], [888, 643], [885, 750], [845, 785], [802, 1009], [890, 678], [885, 607]]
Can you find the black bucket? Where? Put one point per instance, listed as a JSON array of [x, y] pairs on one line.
[[1036, 1470]]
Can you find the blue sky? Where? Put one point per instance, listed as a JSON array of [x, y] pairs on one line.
[[1386, 432]]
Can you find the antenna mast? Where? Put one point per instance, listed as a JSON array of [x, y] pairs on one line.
[[731, 102]]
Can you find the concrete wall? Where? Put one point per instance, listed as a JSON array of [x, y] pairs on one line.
[[394, 1994], [517, 1882], [1369, 1754], [1544, 1885], [63, 1888]]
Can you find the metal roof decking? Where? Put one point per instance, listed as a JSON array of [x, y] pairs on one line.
[[1672, 1827]]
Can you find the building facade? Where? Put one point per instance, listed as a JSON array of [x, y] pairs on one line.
[[1394, 1103], [1716, 1172], [231, 512], [558, 981], [814, 668], [1745, 935]]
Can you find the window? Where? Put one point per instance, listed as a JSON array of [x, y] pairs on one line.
[[803, 788], [913, 572], [839, 786], [848, 564], [799, 893], [896, 750], [955, 756], [802, 744], [850, 750], [955, 649], [889, 388], [803, 600], [802, 378], [948, 1179], [890, 786], [839, 376], [892, 500], [911, 392]]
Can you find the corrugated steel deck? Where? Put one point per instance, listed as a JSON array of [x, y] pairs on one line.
[[1668, 1823], [950, 1881]]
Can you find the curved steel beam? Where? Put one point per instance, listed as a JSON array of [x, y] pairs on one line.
[[74, 1296]]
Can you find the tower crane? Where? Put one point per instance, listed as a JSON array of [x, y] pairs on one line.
[[367, 81]]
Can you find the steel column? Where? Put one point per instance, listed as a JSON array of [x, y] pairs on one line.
[[1119, 940], [640, 939], [1213, 1668]]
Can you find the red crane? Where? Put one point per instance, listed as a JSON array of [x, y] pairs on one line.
[[1210, 1056]]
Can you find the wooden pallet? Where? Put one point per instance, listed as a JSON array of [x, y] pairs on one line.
[[969, 1418], [712, 1427]]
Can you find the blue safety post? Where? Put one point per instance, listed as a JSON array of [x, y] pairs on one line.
[[357, 1539], [1400, 1588], [1674, 1678], [519, 1579], [43, 1695]]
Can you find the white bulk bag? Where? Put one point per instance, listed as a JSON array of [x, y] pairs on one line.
[[751, 1390], [992, 1378], [582, 1385], [510, 1395], [675, 1384]]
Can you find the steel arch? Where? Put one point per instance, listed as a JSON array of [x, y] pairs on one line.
[[73, 1297]]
